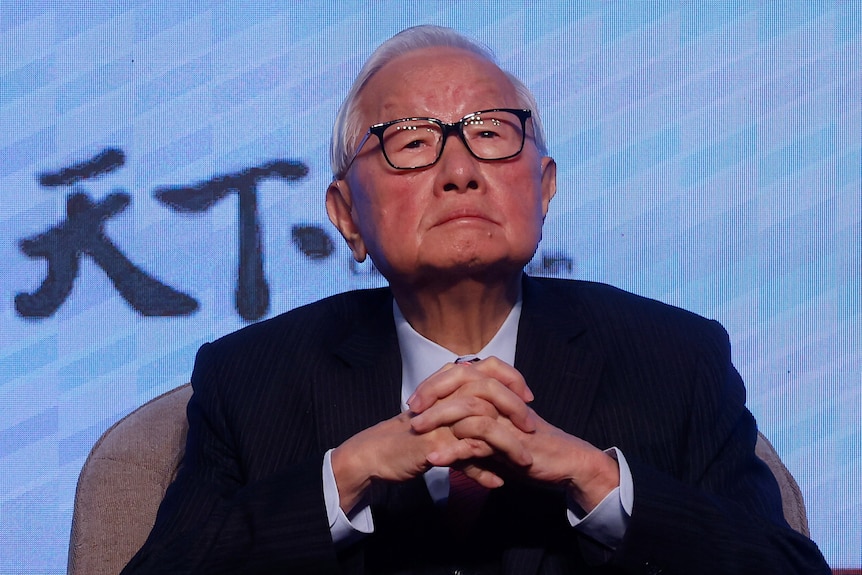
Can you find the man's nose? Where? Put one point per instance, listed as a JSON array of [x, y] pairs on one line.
[[458, 167]]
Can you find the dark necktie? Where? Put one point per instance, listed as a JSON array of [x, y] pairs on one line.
[[464, 505], [466, 497]]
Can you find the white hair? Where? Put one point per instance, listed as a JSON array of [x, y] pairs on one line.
[[346, 131]]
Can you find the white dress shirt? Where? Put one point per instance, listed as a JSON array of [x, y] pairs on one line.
[[421, 357]]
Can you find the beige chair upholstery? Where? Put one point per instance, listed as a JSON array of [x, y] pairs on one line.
[[122, 483], [791, 495], [130, 467]]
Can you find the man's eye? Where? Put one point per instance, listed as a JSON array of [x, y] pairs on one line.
[[410, 138], [412, 145]]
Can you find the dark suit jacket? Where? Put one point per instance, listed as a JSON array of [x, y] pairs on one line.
[[605, 365]]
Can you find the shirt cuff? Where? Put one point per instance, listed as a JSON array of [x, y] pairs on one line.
[[607, 523], [342, 527]]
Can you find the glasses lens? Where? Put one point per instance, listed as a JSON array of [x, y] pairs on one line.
[[412, 143], [416, 143], [494, 135]]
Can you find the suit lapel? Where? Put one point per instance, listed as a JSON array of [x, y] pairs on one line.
[[555, 358], [359, 383], [360, 386]]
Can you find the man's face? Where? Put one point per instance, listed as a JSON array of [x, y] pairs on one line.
[[461, 217]]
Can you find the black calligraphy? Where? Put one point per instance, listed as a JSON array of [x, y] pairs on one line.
[[83, 232], [252, 291], [312, 241]]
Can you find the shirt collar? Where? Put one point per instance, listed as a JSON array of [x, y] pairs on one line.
[[420, 357]]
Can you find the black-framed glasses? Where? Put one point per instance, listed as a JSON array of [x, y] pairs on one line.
[[412, 143]]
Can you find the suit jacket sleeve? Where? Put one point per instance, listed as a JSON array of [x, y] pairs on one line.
[[722, 513], [213, 519], [658, 383]]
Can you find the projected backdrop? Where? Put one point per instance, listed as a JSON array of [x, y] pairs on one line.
[[162, 169]]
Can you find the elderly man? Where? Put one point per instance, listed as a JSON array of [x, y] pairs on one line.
[[467, 419]]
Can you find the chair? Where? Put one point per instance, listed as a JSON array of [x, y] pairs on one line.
[[123, 482], [791, 495], [128, 470]]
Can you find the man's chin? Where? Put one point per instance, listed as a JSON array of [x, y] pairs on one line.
[[474, 270]]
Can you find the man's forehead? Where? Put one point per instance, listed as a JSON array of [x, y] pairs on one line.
[[435, 80], [438, 64]]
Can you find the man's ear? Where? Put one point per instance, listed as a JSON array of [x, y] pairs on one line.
[[549, 182], [339, 207]]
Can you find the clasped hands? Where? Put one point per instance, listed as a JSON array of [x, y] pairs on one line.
[[475, 417]]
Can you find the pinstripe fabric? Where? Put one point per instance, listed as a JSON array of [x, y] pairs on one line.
[[608, 366]]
